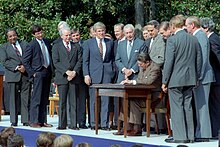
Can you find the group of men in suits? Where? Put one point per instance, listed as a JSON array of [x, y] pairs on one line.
[[183, 58]]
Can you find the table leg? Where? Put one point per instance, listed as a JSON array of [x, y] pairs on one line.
[[148, 113], [97, 97], [119, 108], [125, 114]]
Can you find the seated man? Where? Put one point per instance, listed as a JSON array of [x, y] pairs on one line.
[[149, 74]]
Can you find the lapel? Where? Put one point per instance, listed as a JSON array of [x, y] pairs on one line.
[[95, 48], [12, 51], [72, 52]]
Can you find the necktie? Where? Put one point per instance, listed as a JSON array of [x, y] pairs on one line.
[[101, 48], [129, 50], [67, 47], [44, 52], [17, 51]]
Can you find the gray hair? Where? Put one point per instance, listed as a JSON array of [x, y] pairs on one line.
[[99, 25], [61, 25], [128, 26], [65, 28], [121, 25], [207, 22]]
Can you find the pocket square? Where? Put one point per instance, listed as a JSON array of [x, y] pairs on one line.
[[136, 51], [146, 77]]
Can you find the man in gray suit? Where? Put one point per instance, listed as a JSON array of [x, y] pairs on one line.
[[181, 71], [16, 77], [67, 59], [156, 47], [98, 58], [126, 56], [201, 93], [208, 27]]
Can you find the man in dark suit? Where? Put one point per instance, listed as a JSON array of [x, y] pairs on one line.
[[38, 64], [82, 89], [67, 59], [214, 100], [16, 77], [201, 92], [113, 106], [98, 58], [181, 71]]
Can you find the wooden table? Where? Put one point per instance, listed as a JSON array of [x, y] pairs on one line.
[[124, 92]]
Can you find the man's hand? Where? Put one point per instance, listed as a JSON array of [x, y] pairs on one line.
[[126, 82], [127, 72], [87, 80], [21, 68], [164, 88]]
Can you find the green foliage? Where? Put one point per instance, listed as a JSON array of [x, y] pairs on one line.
[[82, 14]]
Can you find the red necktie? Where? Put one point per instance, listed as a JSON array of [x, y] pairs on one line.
[[67, 47], [17, 51], [101, 48]]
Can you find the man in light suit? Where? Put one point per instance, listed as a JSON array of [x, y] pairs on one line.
[[149, 74], [67, 59], [208, 27], [98, 58], [126, 57], [181, 71], [16, 77], [201, 93], [38, 64], [156, 46]]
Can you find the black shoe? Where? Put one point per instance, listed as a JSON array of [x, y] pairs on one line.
[[92, 127], [114, 127], [61, 128], [171, 140], [83, 127], [14, 124], [105, 128], [74, 128], [25, 124], [202, 140]]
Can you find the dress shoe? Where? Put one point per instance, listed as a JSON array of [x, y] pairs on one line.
[[113, 127], [83, 127], [46, 125], [25, 124], [14, 124], [74, 128], [105, 128], [171, 140], [202, 140], [35, 125], [134, 133], [92, 127], [61, 128], [121, 132]]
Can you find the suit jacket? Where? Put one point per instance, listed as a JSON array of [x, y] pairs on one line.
[[150, 76], [93, 64], [33, 58], [214, 41], [122, 60], [11, 60], [182, 60], [63, 62], [207, 75], [157, 50]]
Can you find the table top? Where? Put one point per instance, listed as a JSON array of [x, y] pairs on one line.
[[120, 86]]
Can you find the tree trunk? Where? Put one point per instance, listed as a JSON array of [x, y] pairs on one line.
[[139, 17], [152, 10]]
